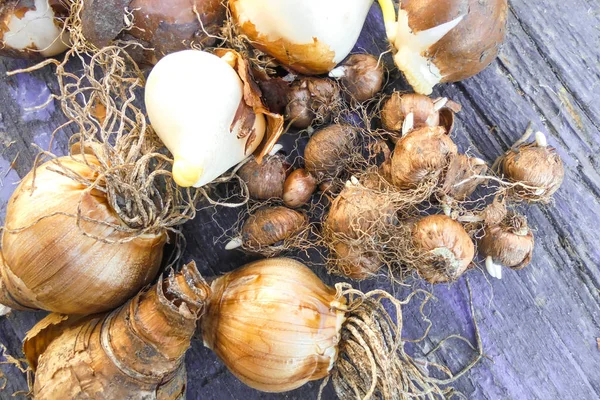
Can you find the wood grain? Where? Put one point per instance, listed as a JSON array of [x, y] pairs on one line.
[[539, 326]]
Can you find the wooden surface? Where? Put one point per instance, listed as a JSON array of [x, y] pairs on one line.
[[540, 325]]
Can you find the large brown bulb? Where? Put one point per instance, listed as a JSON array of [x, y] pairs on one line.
[[163, 27], [538, 167], [50, 263], [274, 324], [447, 250], [509, 243], [134, 352], [421, 155], [472, 45]]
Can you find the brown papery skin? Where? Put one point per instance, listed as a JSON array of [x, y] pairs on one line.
[[308, 98], [327, 149], [309, 59], [269, 225], [298, 188], [273, 324], [164, 26], [536, 166], [52, 265], [463, 168], [472, 45], [441, 232], [134, 352], [355, 215], [398, 106], [506, 246], [422, 154], [8, 8], [363, 77], [265, 181]]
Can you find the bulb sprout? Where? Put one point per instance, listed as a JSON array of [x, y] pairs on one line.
[[541, 140], [338, 72], [495, 270], [408, 124], [234, 243]]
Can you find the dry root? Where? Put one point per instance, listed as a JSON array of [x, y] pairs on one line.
[[372, 362]]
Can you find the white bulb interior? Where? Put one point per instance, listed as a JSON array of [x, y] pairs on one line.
[[191, 99], [337, 23], [36, 30]]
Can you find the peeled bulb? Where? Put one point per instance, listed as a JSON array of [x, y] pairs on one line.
[[32, 28], [309, 36], [207, 112], [51, 263], [444, 41]]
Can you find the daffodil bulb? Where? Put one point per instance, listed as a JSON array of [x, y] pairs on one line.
[[32, 29], [203, 110], [309, 36]]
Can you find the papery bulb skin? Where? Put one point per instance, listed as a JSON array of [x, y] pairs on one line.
[[161, 27], [52, 264], [540, 168], [195, 104], [444, 41], [326, 153], [134, 352], [510, 243], [32, 29], [309, 36], [421, 155], [270, 225], [265, 181], [274, 324], [446, 247]]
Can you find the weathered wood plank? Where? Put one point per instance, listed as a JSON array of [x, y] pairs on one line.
[[539, 325]]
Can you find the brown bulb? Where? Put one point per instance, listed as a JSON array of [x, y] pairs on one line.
[[310, 99], [421, 155], [270, 225], [327, 151], [265, 180], [54, 262], [135, 352], [298, 188], [361, 75], [447, 250], [509, 243], [536, 165], [444, 41], [356, 219], [398, 106], [460, 179], [162, 27]]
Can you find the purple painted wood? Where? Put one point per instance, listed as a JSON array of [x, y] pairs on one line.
[[539, 326]]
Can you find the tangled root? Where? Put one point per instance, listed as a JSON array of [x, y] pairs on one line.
[[372, 362]]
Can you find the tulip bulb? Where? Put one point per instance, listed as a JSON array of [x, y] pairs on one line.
[[208, 113], [444, 41], [309, 36], [32, 28], [134, 352], [53, 260]]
